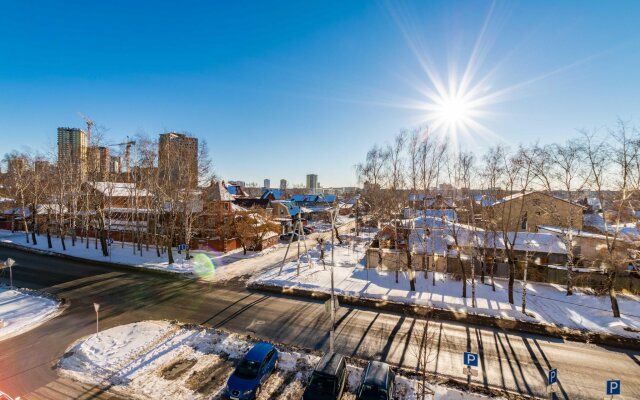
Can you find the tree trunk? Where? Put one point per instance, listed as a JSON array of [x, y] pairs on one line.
[[49, 244], [612, 294], [169, 250], [464, 276], [512, 273], [338, 236], [33, 233], [412, 277], [570, 278]]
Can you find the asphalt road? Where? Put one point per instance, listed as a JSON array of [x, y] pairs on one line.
[[513, 361]]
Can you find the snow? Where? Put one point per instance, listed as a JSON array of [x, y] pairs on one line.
[[162, 359], [626, 230], [21, 311], [546, 303], [206, 264], [211, 265]]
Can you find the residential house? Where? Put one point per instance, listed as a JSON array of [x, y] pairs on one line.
[[525, 211]]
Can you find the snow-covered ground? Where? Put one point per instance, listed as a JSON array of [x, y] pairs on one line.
[[161, 359], [206, 264], [546, 303], [209, 265], [21, 311]]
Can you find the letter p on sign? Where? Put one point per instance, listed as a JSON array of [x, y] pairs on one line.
[[613, 387], [470, 359]]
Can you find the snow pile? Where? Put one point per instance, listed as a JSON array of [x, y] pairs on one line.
[[161, 359], [546, 303], [21, 311]]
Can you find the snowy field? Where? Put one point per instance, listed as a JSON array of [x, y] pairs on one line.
[[546, 303], [161, 359], [21, 311]]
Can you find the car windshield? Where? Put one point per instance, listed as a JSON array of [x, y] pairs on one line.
[[248, 369], [373, 393], [322, 384]]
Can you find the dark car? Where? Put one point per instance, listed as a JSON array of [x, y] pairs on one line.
[[328, 379], [252, 371], [287, 237], [377, 382]]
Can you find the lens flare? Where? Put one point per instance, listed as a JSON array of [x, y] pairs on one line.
[[203, 267]]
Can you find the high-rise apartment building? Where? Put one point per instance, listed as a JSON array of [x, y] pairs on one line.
[[178, 159], [267, 184], [283, 184], [312, 182], [98, 162], [72, 150]]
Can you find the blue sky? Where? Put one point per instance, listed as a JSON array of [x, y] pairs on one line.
[[280, 89]]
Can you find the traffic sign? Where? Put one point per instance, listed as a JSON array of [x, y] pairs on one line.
[[470, 359], [182, 247], [9, 263], [96, 306], [553, 376], [109, 241], [613, 387]]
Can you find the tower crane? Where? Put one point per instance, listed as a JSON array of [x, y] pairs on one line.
[[90, 124], [127, 150]]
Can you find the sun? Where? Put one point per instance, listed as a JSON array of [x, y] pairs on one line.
[[454, 111]]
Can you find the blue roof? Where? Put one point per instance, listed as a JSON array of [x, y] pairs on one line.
[[277, 194], [258, 352], [232, 190]]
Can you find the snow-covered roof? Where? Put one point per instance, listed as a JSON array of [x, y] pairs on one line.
[[520, 195], [218, 192], [574, 232]]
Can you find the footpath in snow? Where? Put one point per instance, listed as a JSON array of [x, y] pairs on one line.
[[546, 303], [22, 310], [161, 359]]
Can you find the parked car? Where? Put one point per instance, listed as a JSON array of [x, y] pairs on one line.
[[287, 237], [378, 382], [328, 379], [252, 372]]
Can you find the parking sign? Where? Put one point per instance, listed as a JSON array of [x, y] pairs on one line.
[[553, 376], [613, 387], [470, 359]]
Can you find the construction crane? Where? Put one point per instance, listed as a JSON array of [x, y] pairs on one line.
[[90, 124], [127, 150]]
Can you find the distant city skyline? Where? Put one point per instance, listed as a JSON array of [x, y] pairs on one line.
[[280, 89]]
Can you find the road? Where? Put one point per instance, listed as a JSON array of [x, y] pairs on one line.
[[513, 361]]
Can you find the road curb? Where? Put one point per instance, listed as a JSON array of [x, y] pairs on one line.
[[455, 316], [125, 267]]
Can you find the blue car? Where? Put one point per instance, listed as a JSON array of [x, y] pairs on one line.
[[253, 371]]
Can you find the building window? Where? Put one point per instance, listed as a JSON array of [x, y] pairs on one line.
[[226, 206], [523, 224]]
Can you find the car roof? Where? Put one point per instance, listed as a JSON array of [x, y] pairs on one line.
[[329, 363], [377, 373], [258, 352]]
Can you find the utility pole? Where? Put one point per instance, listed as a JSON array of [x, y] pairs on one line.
[[524, 280], [333, 313]]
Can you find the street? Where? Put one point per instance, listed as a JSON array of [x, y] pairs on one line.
[[508, 360]]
